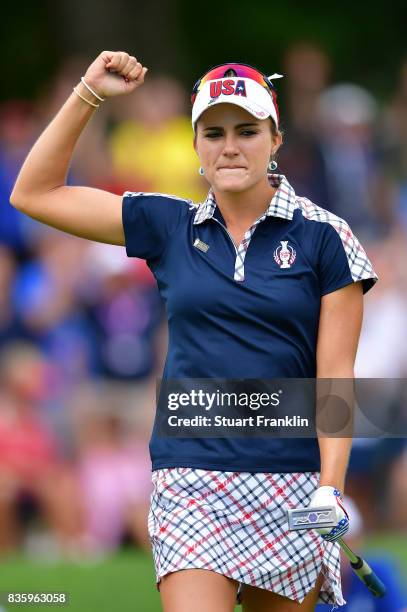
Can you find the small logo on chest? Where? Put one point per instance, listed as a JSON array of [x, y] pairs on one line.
[[201, 245], [284, 255]]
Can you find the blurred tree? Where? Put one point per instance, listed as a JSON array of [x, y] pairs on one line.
[[366, 42], [28, 49], [147, 30]]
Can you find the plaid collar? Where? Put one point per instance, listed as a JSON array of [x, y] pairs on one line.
[[282, 204]]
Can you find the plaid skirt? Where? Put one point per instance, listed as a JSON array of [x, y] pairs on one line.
[[235, 524]]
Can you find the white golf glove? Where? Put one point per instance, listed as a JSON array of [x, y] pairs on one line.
[[329, 496]]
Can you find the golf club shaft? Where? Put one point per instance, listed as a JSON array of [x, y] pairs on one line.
[[363, 571]]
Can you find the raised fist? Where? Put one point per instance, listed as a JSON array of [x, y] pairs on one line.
[[114, 73]]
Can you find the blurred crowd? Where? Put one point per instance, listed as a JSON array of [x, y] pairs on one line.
[[82, 328]]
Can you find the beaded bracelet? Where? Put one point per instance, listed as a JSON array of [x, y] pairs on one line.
[[84, 99], [91, 90]]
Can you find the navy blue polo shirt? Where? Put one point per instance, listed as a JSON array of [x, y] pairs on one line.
[[242, 312]]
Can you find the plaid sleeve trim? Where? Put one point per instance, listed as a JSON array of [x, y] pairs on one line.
[[360, 266]]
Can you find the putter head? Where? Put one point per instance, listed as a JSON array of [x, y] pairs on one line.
[[312, 518]]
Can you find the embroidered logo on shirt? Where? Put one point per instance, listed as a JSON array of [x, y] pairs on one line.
[[284, 255], [201, 245]]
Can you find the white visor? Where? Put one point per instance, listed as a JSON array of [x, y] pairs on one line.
[[245, 93]]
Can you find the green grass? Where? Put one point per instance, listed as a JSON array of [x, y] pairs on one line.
[[123, 582]]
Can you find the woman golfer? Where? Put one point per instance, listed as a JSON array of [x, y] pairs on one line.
[[258, 283]]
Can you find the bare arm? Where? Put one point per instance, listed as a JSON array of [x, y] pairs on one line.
[[41, 191], [338, 337]]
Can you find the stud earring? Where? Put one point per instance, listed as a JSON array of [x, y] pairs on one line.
[[201, 171]]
